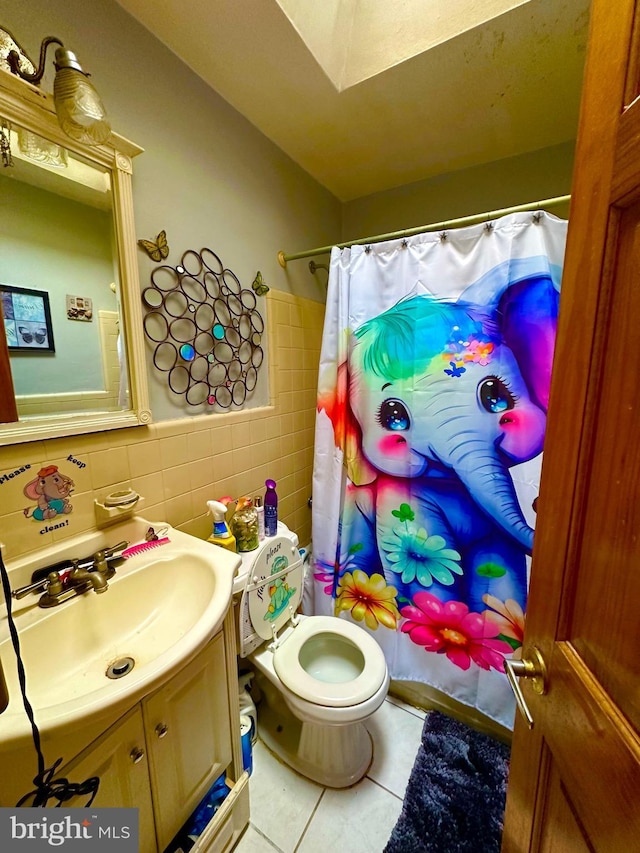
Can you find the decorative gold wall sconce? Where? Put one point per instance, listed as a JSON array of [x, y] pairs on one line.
[[79, 108]]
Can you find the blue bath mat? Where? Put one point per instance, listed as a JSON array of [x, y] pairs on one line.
[[454, 802]]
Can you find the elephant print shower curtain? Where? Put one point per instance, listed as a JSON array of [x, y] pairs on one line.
[[433, 390]]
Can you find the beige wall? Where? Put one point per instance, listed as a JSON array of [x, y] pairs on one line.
[[179, 465], [503, 183]]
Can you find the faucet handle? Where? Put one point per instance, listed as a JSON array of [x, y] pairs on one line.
[[25, 590], [54, 584], [111, 551], [100, 562]]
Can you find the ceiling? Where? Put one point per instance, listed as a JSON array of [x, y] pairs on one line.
[[364, 101]]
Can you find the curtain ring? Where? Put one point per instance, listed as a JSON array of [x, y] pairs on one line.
[[443, 236], [537, 216], [404, 243], [367, 249], [488, 227]]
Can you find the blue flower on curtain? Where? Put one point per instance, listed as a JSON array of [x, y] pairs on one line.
[[413, 554]]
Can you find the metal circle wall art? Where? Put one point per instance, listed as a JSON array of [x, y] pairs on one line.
[[205, 328]]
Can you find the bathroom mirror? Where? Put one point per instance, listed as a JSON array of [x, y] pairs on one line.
[[69, 284]]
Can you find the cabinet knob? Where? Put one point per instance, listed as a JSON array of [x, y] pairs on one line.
[[162, 729], [136, 754]]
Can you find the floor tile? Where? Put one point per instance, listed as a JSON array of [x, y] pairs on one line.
[[418, 712], [282, 801], [253, 842], [396, 738], [358, 819]]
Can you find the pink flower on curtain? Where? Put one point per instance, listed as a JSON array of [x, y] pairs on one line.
[[479, 352], [325, 574], [447, 627], [476, 350]]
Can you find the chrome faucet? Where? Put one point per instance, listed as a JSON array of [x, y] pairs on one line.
[[58, 584]]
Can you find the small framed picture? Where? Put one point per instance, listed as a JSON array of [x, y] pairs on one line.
[[79, 308], [27, 319]]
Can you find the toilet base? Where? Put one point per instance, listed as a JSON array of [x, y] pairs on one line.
[[332, 756]]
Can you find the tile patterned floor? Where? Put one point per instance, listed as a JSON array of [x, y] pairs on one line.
[[290, 814]]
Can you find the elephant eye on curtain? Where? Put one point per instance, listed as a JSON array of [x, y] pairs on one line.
[[433, 391]]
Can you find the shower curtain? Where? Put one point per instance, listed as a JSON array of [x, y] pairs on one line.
[[433, 390]]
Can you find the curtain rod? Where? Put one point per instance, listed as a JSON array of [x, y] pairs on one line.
[[449, 223]]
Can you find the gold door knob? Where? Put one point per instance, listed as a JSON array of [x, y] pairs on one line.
[[533, 668]]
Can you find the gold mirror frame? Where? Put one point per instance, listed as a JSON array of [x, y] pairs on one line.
[[25, 105]]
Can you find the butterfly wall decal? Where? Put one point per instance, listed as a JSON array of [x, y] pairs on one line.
[[157, 251], [258, 284]]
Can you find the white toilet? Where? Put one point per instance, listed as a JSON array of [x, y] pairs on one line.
[[320, 676]]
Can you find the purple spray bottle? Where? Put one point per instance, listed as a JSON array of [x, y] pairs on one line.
[[270, 508]]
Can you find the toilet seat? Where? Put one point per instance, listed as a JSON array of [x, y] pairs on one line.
[[323, 660], [322, 648]]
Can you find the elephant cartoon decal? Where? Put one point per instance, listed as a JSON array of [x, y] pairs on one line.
[[437, 402], [51, 490]]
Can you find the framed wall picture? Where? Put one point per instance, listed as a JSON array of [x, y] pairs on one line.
[[27, 319], [79, 308]]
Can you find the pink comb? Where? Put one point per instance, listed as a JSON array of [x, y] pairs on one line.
[[142, 547]]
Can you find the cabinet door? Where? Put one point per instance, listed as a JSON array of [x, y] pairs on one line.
[[119, 759], [189, 738]]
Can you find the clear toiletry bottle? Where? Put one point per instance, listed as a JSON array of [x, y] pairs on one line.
[[257, 502], [270, 508], [244, 525]]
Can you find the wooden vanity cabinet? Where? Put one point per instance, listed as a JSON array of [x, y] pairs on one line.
[[119, 759], [165, 753], [188, 736]]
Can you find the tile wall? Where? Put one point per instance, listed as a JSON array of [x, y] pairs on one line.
[[179, 465]]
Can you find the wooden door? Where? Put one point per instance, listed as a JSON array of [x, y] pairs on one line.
[[575, 776]]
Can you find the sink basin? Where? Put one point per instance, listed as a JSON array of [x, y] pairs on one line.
[[161, 608]]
